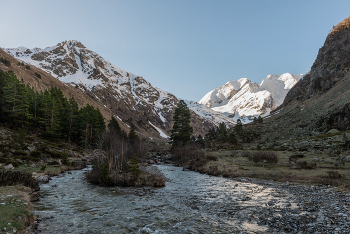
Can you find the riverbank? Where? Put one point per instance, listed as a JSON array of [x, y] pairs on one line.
[[16, 210], [312, 168], [16, 207], [191, 203]]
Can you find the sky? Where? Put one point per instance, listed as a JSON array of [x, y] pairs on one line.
[[185, 47]]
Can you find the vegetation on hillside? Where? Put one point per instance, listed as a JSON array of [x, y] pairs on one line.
[[182, 130], [50, 116], [49, 113], [121, 164], [341, 26]]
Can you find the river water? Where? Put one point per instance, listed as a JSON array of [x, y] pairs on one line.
[[189, 203]]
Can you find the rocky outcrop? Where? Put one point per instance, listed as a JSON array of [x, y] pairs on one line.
[[330, 67], [8, 178], [320, 100]]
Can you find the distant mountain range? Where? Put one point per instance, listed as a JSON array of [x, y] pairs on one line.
[[132, 99], [243, 98]]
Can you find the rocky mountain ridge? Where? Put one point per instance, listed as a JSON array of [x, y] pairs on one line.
[[130, 98], [241, 98], [320, 101]]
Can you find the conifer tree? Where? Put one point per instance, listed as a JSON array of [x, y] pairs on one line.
[[72, 114], [16, 105], [132, 134], [222, 132], [182, 130], [114, 125]]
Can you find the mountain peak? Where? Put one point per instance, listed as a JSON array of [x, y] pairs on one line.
[[249, 98], [72, 43]]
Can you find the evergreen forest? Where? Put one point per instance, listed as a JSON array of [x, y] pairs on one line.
[[49, 114]]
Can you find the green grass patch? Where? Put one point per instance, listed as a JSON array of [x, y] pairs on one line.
[[14, 210], [48, 169]]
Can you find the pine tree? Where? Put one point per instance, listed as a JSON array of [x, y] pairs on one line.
[[132, 134], [72, 114], [182, 130], [114, 125], [239, 127], [222, 132], [16, 106], [91, 125], [2, 85], [200, 140]]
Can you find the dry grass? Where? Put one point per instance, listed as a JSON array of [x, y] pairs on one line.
[[341, 26], [261, 156], [237, 164], [306, 165]]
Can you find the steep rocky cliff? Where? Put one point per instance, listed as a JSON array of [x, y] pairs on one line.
[[331, 65], [319, 101]]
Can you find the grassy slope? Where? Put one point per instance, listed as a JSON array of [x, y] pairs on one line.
[[15, 209], [233, 164]]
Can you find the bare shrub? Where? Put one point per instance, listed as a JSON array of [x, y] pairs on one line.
[[306, 165], [245, 154], [120, 163], [294, 158], [334, 175], [184, 155], [214, 170], [212, 158], [5, 61], [269, 157]]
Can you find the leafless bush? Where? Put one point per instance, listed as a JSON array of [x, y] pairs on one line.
[[294, 158], [185, 155], [120, 163], [306, 165], [212, 158], [334, 175], [269, 157], [246, 154], [214, 170]]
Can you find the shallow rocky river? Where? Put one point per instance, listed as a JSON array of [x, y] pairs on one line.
[[190, 203]]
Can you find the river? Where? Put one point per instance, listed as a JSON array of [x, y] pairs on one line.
[[189, 203]]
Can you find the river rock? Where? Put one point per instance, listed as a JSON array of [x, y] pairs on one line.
[[43, 179], [34, 197], [9, 167]]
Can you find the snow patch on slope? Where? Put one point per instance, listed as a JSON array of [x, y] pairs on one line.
[[206, 112], [161, 133]]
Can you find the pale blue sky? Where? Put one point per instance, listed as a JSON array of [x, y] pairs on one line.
[[186, 47]]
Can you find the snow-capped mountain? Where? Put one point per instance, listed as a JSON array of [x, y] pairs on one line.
[[72, 62], [206, 112], [241, 98], [129, 96]]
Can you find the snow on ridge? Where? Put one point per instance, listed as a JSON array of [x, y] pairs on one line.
[[244, 98], [206, 112], [72, 63]]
